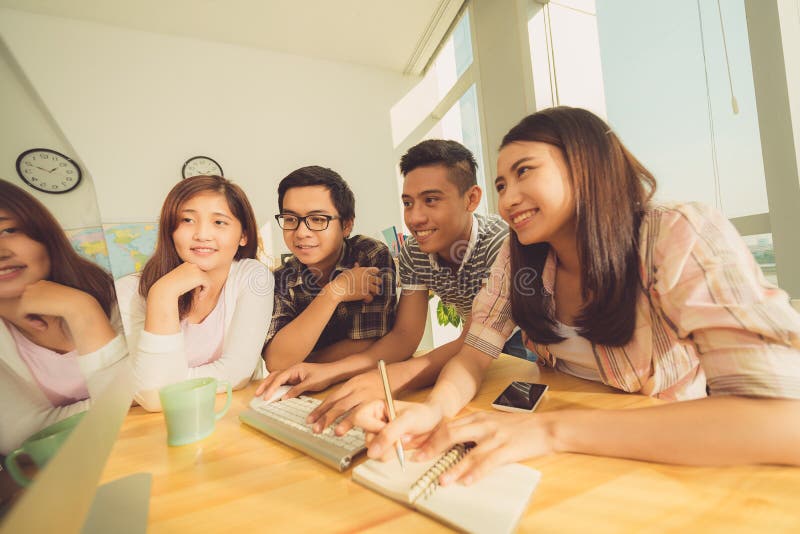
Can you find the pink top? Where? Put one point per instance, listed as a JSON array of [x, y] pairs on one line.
[[203, 341], [59, 376]]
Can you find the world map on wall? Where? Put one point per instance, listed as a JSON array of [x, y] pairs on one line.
[[130, 245], [90, 243], [121, 249]]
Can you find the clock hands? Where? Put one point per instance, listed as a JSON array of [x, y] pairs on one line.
[[45, 170]]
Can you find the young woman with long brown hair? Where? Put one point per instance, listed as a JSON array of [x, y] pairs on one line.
[[661, 300], [60, 336], [202, 305]]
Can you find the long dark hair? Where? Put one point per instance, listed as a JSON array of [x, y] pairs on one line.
[[67, 267], [165, 258], [612, 191]]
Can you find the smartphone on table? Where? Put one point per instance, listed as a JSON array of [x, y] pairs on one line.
[[520, 397]]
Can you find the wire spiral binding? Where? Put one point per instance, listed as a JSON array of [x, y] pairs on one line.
[[429, 481]]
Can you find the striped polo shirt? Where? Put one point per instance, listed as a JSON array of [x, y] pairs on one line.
[[421, 271]]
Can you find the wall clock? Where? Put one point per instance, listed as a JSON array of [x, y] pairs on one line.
[[201, 166], [48, 171]]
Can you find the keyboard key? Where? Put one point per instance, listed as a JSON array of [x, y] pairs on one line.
[[293, 413]]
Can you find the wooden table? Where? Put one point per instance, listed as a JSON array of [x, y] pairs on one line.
[[239, 480]]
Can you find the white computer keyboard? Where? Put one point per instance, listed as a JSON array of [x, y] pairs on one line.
[[294, 412], [286, 422]]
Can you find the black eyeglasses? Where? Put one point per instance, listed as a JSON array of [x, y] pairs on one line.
[[316, 223]]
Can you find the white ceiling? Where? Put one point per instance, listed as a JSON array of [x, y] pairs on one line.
[[392, 34]]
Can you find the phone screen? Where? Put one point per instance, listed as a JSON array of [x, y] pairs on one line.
[[521, 395]]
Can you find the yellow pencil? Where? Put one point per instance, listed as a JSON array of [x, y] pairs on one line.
[[390, 404]]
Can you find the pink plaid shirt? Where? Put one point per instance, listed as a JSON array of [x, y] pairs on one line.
[[706, 315]]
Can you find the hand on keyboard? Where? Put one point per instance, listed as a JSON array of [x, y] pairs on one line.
[[260, 401], [302, 377], [358, 390], [293, 412]]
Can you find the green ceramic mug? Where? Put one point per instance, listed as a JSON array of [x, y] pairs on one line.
[[41, 446], [189, 409]]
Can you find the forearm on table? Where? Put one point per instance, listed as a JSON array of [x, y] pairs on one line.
[[243, 341], [459, 380], [231, 367], [158, 361], [404, 337], [422, 371], [721, 430], [396, 346], [340, 349], [356, 364], [295, 341]]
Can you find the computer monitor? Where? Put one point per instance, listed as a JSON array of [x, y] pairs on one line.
[[64, 497]]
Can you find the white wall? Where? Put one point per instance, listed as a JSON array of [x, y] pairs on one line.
[[27, 124], [135, 105]]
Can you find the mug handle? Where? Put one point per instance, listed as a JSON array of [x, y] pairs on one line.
[[14, 470], [229, 397]]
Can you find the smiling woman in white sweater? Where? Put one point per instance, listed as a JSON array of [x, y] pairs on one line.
[[202, 305], [60, 335]]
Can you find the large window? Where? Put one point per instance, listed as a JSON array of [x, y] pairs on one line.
[[460, 123], [565, 55], [443, 105], [452, 61], [674, 79], [763, 251]]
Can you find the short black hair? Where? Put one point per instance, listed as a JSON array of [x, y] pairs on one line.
[[341, 195], [453, 155]]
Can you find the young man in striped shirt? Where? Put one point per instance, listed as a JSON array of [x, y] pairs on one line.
[[450, 254]]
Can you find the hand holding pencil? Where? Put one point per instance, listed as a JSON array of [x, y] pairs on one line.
[[414, 424]]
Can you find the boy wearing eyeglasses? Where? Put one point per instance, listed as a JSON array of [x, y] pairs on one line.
[[449, 254], [336, 295]]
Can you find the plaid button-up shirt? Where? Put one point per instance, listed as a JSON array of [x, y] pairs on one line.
[[706, 319], [295, 289]]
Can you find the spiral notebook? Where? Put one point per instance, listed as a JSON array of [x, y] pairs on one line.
[[493, 504]]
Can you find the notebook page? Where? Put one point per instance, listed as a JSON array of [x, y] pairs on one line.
[[387, 478], [493, 504]]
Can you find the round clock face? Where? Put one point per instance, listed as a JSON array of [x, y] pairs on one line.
[[201, 166], [48, 171]]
